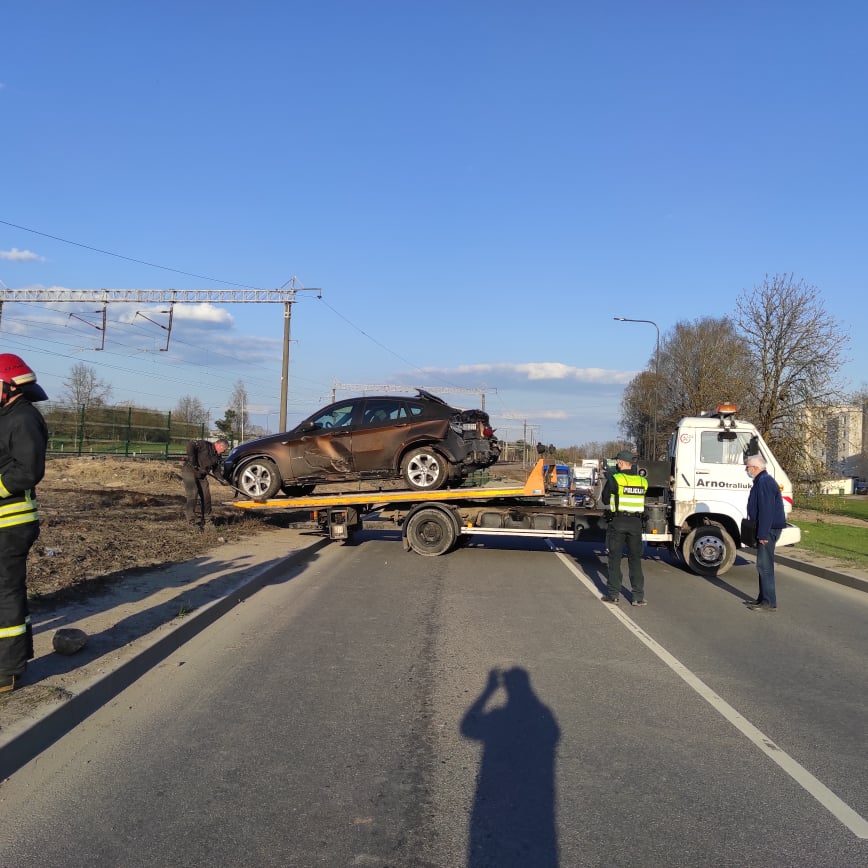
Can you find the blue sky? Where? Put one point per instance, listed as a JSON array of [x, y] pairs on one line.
[[477, 187]]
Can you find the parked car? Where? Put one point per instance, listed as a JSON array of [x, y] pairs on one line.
[[421, 439]]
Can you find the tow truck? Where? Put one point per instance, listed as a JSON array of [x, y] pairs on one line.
[[695, 502]]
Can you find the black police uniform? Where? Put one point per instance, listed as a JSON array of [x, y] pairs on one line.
[[625, 528]]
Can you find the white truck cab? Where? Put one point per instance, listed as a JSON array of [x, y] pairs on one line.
[[709, 487]]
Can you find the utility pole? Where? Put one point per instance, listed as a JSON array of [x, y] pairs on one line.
[[284, 365]]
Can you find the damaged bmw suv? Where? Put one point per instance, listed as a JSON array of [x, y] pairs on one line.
[[420, 439]]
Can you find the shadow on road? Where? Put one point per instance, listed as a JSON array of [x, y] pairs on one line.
[[143, 620], [513, 819]]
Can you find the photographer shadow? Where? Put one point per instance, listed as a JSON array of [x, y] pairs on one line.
[[512, 823]]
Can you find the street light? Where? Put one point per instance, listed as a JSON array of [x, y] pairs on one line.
[[656, 381]]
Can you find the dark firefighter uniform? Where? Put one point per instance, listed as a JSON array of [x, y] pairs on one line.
[[624, 498], [203, 457], [23, 443]]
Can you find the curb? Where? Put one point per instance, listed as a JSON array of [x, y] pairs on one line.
[[847, 579], [60, 719], [839, 578]]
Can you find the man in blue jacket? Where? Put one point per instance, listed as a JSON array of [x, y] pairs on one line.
[[765, 506]]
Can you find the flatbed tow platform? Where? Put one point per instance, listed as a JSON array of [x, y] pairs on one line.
[[434, 522]]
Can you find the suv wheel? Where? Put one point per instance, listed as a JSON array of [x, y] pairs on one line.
[[259, 479], [424, 469]]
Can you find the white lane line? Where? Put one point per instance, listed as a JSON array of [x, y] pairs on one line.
[[839, 809]]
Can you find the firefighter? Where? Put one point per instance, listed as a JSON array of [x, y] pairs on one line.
[[203, 459], [23, 442], [624, 499]]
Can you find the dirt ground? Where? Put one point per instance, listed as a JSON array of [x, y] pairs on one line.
[[102, 517]]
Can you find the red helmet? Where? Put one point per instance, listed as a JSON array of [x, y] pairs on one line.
[[14, 371]]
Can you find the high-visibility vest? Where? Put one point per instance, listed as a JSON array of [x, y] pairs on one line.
[[630, 496]]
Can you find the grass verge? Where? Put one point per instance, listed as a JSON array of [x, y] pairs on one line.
[[856, 507], [836, 540]]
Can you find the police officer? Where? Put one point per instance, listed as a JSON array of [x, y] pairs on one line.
[[203, 458], [624, 498], [23, 443]]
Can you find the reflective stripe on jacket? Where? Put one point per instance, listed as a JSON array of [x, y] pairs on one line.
[[16, 630], [630, 496], [20, 509], [23, 440]]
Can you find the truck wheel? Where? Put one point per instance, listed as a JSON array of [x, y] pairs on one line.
[[424, 469], [430, 532], [259, 479], [708, 550]]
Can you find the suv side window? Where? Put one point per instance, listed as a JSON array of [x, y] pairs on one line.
[[416, 409], [340, 416], [381, 411]]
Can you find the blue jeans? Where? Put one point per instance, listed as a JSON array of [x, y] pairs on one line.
[[765, 566]]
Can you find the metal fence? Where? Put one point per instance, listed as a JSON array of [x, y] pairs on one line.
[[126, 431]]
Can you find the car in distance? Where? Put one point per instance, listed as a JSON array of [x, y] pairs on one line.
[[419, 438]]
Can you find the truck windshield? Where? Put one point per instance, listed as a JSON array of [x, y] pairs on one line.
[[724, 447]]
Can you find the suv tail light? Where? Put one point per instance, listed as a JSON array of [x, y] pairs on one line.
[[488, 431]]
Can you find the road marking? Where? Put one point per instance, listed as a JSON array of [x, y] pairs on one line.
[[839, 809]]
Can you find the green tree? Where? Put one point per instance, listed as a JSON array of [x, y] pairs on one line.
[[229, 426]]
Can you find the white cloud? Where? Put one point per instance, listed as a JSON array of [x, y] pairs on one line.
[[16, 255], [203, 314], [536, 371]]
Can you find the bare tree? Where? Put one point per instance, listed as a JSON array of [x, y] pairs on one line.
[[84, 389], [637, 410], [702, 363], [594, 449], [239, 403], [190, 409], [797, 349]]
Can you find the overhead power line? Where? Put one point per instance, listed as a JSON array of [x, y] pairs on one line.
[[121, 256]]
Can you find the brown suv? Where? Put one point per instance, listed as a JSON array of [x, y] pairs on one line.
[[421, 439]]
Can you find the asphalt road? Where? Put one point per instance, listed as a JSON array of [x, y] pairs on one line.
[[479, 709]]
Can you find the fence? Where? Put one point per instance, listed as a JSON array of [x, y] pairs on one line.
[[127, 431]]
